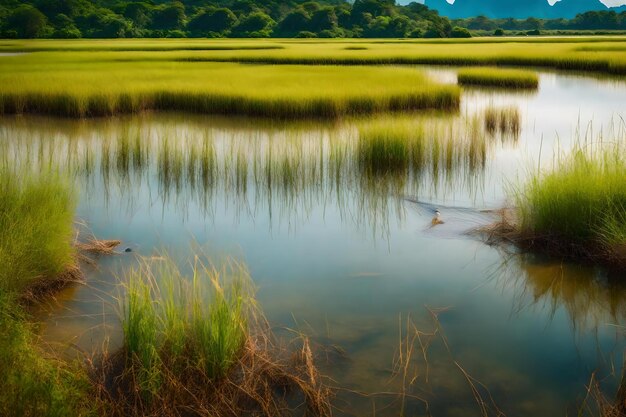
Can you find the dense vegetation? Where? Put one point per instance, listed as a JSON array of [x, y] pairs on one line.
[[593, 20], [218, 18], [255, 18]]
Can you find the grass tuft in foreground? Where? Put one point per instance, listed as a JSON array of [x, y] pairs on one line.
[[499, 78], [194, 344], [33, 384], [36, 257], [577, 210]]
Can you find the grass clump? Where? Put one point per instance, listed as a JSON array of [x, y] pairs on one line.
[[578, 209], [36, 231], [193, 344], [499, 78]]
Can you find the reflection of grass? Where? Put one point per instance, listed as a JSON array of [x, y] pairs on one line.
[[589, 300], [494, 77], [505, 120], [286, 169]]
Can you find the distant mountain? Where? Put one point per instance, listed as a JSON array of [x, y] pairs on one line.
[[520, 9]]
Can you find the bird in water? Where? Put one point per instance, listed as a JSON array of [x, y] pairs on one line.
[[437, 219]]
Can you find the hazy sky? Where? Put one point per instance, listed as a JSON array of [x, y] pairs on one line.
[[609, 3]]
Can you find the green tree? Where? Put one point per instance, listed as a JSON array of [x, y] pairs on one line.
[[212, 20], [169, 17], [28, 22], [293, 23], [139, 13], [323, 19], [459, 32], [256, 25]]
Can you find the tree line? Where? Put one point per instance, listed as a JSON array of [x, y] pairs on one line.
[[257, 19], [215, 18], [594, 20]]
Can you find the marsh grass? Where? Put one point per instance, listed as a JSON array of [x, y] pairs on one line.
[[195, 342], [499, 78], [36, 231], [33, 383], [576, 210], [81, 87]]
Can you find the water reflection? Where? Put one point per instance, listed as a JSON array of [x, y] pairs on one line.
[[592, 297], [281, 171]]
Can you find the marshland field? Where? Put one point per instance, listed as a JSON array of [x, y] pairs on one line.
[[313, 227]]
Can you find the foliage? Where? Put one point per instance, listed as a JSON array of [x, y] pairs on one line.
[[207, 18]]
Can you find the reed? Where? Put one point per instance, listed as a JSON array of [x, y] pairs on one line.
[[499, 78]]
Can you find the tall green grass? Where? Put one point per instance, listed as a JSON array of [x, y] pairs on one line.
[[184, 324], [83, 86], [36, 253], [579, 207], [36, 228], [593, 54], [500, 78]]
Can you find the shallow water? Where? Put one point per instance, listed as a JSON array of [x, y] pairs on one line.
[[352, 261]]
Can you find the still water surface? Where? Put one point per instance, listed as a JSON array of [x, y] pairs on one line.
[[352, 262]]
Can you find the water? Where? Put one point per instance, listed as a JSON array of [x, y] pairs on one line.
[[352, 261]]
